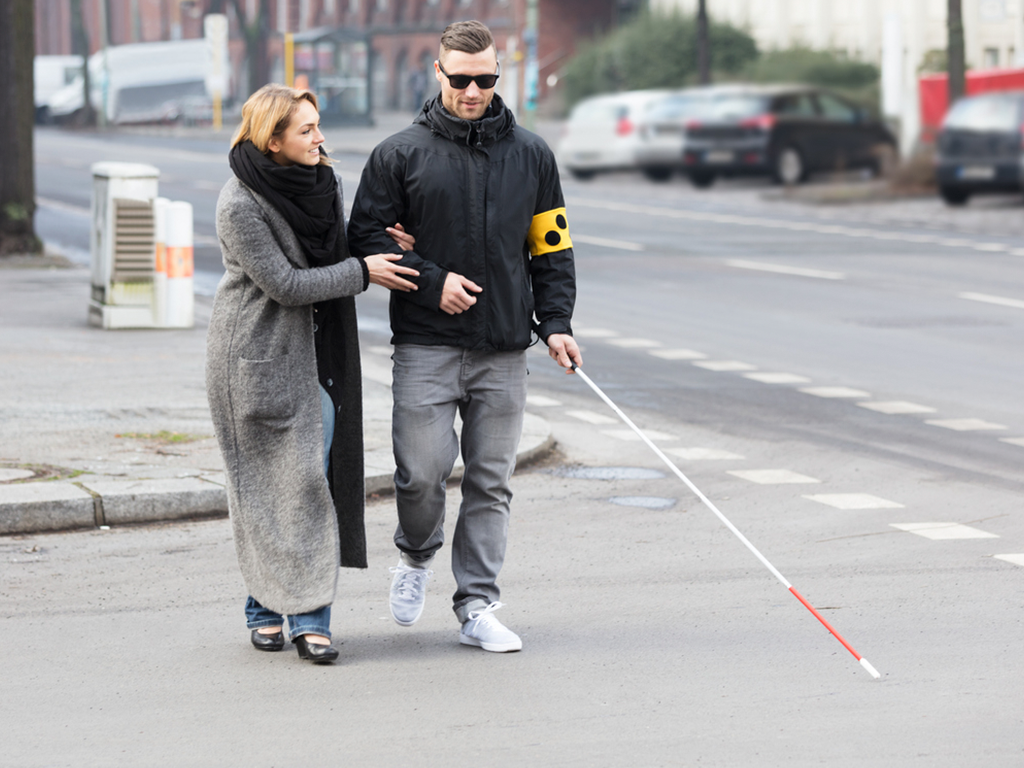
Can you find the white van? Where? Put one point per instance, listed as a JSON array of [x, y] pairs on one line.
[[51, 73], [144, 82]]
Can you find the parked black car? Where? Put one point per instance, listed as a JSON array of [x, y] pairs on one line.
[[979, 147], [787, 132]]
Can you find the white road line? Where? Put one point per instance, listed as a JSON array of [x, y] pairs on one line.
[[725, 365], [988, 299], [992, 247], [854, 501], [542, 401], [772, 476], [57, 205], [1013, 440], [944, 531], [777, 378], [769, 223], [965, 425], [380, 349], [677, 354], [893, 407], [835, 392], [593, 333], [592, 417], [635, 343], [784, 270], [1015, 559], [703, 454], [632, 437], [604, 242]]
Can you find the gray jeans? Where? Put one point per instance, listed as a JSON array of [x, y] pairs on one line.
[[488, 389]]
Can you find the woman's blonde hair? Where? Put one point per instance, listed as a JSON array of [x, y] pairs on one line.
[[268, 112]]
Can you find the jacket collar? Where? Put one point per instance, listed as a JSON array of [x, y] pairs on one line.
[[493, 126]]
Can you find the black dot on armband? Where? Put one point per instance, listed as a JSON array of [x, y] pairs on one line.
[[552, 238], [560, 221]]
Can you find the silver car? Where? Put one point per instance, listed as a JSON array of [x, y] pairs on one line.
[[601, 132]]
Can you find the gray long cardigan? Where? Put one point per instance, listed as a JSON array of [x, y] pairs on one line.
[[291, 530]]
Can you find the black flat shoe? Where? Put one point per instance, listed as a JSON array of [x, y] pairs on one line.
[[318, 654], [273, 642]]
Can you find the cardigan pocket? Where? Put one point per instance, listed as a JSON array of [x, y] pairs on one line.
[[265, 390]]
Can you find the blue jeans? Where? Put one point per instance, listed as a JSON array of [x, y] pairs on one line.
[[317, 622]]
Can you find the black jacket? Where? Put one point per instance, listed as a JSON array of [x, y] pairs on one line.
[[468, 191]]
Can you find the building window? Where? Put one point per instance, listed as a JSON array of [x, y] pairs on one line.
[[990, 57]]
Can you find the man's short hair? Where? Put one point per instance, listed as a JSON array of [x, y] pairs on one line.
[[466, 36]]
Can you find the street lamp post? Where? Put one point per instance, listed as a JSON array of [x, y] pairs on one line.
[[703, 44]]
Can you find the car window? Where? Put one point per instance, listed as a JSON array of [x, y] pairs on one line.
[[795, 105], [984, 113], [675, 107], [596, 111], [836, 110], [731, 107]]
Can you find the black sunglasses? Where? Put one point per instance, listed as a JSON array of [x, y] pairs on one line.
[[459, 82]]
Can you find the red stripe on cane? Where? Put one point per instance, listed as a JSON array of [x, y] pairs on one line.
[[828, 626]]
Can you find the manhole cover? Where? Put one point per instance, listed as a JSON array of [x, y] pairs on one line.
[[609, 473], [645, 502], [6, 475]]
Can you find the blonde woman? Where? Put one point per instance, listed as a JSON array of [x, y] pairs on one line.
[[282, 370]]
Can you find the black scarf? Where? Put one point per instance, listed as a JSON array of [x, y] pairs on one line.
[[305, 195]]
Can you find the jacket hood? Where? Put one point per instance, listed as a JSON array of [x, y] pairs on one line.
[[493, 126]]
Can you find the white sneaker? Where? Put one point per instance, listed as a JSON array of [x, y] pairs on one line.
[[485, 631], [408, 593]]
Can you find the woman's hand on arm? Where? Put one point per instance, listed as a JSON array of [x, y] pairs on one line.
[[383, 271], [404, 240]]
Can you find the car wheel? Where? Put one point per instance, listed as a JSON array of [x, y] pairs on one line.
[[789, 166], [581, 175], [954, 195], [701, 179], [658, 172]]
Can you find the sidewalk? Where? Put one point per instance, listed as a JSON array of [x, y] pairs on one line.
[[101, 428]]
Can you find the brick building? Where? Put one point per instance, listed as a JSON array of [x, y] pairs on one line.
[[403, 33]]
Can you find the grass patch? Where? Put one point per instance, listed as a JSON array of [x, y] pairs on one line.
[[164, 437]]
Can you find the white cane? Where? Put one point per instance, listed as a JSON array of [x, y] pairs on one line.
[[707, 502]]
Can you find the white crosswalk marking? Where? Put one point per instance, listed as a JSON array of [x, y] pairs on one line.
[[592, 417], [835, 392], [725, 365], [893, 407], [703, 454], [1015, 559], [777, 378], [944, 531], [854, 501], [782, 269], [965, 425], [677, 354], [542, 401], [630, 436], [772, 476], [1013, 440], [634, 343]]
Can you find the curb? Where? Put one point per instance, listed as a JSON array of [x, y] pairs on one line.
[[50, 506]]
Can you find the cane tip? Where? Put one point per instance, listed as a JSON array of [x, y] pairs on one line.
[[871, 670]]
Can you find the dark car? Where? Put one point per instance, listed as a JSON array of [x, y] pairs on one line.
[[979, 146], [787, 132]]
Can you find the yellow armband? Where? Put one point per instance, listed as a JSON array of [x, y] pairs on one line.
[[549, 232]]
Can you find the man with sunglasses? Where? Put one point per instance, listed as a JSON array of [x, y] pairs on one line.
[[483, 199]]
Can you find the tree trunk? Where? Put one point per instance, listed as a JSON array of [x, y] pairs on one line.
[[703, 44], [80, 47], [17, 181], [255, 32], [955, 52]]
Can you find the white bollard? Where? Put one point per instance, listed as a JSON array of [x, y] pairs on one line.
[[180, 288], [160, 272]]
